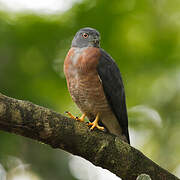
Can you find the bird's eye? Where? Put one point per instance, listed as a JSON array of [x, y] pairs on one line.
[[85, 35]]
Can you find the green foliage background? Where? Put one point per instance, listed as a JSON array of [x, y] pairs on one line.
[[142, 36]]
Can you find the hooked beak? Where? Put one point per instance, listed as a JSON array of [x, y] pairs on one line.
[[96, 42]]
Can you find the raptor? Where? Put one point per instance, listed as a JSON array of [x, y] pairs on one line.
[[95, 84]]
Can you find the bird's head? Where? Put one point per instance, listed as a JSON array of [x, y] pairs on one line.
[[86, 37]]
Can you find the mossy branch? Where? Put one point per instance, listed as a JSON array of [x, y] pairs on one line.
[[102, 149]]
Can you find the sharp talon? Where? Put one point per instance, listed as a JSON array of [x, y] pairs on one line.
[[78, 119]]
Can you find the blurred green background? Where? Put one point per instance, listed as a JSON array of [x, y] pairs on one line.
[[144, 39]]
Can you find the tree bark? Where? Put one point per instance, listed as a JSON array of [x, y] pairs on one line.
[[100, 148]]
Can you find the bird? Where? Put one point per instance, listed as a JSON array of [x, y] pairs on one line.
[[95, 84]]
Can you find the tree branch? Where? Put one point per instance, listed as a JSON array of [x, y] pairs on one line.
[[102, 149]]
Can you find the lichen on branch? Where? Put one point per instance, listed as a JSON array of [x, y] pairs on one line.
[[100, 148]]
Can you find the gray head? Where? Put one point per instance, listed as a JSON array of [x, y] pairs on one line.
[[86, 37]]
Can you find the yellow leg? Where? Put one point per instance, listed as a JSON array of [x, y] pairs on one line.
[[81, 118], [76, 118], [70, 115], [95, 123]]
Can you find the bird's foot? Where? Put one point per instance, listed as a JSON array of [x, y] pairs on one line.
[[70, 115], [95, 124], [81, 118], [76, 118]]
